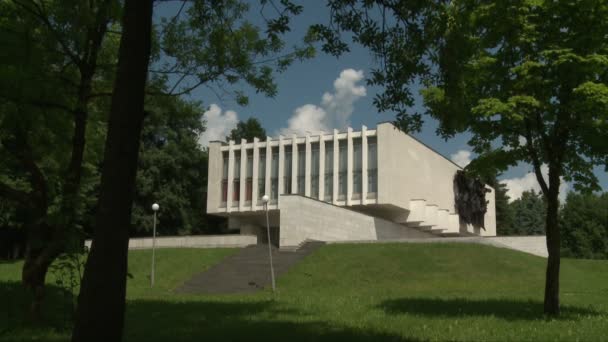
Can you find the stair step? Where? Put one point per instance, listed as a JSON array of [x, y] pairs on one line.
[[430, 215], [417, 210]]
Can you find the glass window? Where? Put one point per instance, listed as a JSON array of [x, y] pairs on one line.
[[224, 178], [262, 174], [274, 175], [301, 168], [372, 166], [329, 171], [314, 170], [236, 182], [342, 162], [287, 171], [357, 162], [249, 172]]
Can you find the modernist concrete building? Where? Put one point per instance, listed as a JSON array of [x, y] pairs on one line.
[[354, 185]]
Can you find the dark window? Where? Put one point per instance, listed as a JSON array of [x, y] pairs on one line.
[[314, 170], [372, 167], [357, 162], [329, 171], [287, 171], [342, 162], [262, 174], [274, 175], [301, 168], [236, 183], [224, 178]]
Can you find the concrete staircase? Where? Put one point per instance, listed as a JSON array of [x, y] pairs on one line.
[[431, 218], [246, 271]]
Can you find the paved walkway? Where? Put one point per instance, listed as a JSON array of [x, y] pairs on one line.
[[246, 271]]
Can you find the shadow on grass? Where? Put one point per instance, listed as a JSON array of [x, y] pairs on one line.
[[15, 302], [234, 321], [9, 261], [507, 309]]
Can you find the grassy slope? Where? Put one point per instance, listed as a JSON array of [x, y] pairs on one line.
[[367, 292]]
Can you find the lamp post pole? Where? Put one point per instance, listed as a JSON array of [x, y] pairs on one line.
[[265, 199], [155, 208]]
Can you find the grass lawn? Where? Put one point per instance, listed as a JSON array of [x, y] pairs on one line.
[[457, 292]]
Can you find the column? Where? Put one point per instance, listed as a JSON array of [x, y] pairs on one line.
[[307, 167], [363, 165], [349, 166], [254, 180], [243, 179], [321, 168], [230, 175], [294, 164], [336, 167], [268, 166]]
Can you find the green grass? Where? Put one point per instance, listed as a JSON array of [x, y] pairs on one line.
[[457, 292]]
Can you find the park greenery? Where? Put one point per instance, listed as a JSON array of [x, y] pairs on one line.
[[69, 65], [527, 79], [93, 129], [464, 292]]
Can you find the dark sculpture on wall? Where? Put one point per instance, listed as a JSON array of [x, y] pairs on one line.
[[470, 198]]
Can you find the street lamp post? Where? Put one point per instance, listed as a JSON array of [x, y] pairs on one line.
[[265, 200], [155, 208]]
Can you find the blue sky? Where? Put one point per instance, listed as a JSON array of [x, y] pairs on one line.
[[301, 98]]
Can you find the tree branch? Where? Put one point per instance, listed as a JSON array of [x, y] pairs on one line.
[[40, 15], [535, 160]]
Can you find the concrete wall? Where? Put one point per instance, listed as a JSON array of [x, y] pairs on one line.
[[199, 241], [536, 245], [304, 218], [214, 177], [409, 170]]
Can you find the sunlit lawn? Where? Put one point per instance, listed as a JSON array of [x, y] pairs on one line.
[[457, 292]]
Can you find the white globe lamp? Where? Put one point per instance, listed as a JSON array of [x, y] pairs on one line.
[[265, 200], [155, 208]]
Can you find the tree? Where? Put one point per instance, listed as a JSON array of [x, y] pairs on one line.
[[529, 214], [247, 130], [527, 75], [48, 78], [584, 225], [101, 303], [172, 169], [504, 213]]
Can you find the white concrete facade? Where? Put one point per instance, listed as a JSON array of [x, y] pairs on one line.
[[382, 173], [198, 241]]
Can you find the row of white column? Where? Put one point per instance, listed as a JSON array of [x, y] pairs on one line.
[[293, 142]]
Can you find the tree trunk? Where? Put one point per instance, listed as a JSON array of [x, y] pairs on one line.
[[551, 304], [33, 274], [101, 303]]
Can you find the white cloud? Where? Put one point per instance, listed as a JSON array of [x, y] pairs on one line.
[[339, 105], [218, 125], [462, 158], [516, 186], [308, 118], [335, 108]]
